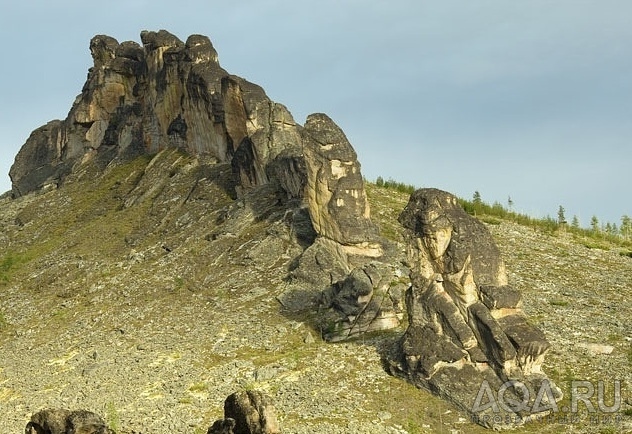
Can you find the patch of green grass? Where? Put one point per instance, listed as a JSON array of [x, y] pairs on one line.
[[613, 337], [490, 220], [178, 283], [198, 387], [60, 314], [561, 303], [112, 417], [3, 322], [627, 412], [592, 244], [413, 427], [10, 263]]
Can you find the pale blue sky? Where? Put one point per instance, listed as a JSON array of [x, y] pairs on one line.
[[528, 99]]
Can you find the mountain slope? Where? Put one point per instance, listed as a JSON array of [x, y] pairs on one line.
[[146, 292]]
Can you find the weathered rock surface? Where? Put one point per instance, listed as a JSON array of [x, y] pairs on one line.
[[465, 323], [335, 189], [251, 411], [165, 94], [362, 302], [60, 421]]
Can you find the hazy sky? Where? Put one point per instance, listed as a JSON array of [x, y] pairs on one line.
[[528, 99]]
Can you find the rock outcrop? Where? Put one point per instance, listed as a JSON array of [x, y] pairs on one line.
[[166, 93], [466, 326], [335, 188], [364, 301], [172, 94]]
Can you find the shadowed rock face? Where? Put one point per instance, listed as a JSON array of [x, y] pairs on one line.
[[362, 302], [466, 326]]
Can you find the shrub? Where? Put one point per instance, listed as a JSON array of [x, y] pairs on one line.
[[395, 185], [8, 264]]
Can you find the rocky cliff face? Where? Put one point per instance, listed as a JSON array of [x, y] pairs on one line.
[[165, 94], [140, 100]]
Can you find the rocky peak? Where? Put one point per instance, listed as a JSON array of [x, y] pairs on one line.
[[170, 94], [199, 49], [161, 39], [103, 49]]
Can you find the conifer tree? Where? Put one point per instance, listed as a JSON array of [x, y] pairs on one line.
[[561, 218], [626, 226], [477, 198]]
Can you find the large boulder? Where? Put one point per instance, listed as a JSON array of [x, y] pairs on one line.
[[247, 412], [466, 326], [364, 301], [60, 421]]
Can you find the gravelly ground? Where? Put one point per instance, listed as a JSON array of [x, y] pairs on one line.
[[154, 340]]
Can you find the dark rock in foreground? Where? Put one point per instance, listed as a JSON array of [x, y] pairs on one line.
[[247, 412], [59, 421]]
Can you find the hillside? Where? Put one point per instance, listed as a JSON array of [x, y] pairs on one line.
[[147, 292], [179, 237]]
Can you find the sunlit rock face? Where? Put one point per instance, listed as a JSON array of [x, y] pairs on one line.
[[466, 325], [335, 189]]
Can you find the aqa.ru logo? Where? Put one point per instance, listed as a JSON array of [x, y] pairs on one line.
[[514, 397]]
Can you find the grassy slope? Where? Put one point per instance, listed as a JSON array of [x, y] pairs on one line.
[[73, 238]]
